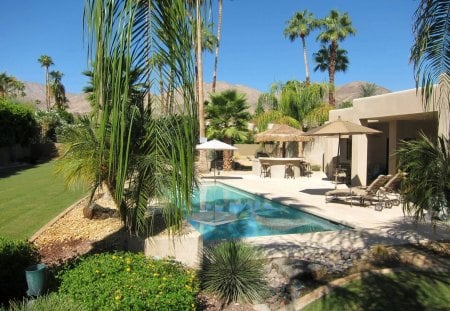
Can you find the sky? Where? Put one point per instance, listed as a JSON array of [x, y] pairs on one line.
[[253, 51]]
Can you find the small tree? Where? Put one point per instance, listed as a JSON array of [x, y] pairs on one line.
[[228, 116]]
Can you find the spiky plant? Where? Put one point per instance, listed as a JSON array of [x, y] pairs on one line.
[[426, 189], [234, 272]]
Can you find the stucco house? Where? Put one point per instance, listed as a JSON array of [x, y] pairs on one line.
[[399, 116]]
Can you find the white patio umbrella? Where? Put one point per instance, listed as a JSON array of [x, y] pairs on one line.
[[215, 145]]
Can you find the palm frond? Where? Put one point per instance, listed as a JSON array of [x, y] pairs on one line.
[[430, 53]]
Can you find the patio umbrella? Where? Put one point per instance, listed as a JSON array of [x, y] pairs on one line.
[[282, 133], [215, 145], [339, 128]]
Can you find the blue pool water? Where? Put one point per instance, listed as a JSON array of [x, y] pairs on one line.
[[224, 212]]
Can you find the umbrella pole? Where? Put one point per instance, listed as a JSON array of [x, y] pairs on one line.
[[215, 164], [336, 171]]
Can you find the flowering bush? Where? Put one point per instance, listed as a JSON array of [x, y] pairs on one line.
[[128, 281]]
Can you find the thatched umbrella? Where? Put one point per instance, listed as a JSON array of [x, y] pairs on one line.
[[282, 133]]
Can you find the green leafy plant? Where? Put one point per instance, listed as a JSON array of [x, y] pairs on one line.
[[234, 272], [128, 281], [15, 256], [426, 187], [52, 302], [17, 124]]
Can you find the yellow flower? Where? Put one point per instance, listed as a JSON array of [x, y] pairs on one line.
[[128, 269], [114, 257], [118, 297], [97, 271], [155, 274]]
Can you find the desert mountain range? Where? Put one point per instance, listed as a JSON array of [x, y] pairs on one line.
[[35, 92]]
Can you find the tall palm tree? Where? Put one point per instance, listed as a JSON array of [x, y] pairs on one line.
[[150, 156], [46, 61], [228, 116], [429, 53], [300, 26], [322, 59], [216, 53], [337, 27], [57, 89]]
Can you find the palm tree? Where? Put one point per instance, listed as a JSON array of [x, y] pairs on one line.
[[57, 89], [10, 86], [46, 61], [216, 53], [429, 53], [227, 115], [426, 190], [300, 26], [298, 99], [322, 59], [336, 28], [426, 160], [147, 157], [368, 89]]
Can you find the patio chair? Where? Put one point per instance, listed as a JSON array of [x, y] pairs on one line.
[[265, 169], [389, 193], [370, 193], [362, 193]]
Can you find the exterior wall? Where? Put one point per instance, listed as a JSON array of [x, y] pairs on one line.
[[398, 115], [185, 249]]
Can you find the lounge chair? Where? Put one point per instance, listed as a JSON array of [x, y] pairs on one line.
[[362, 193], [370, 193], [389, 194]]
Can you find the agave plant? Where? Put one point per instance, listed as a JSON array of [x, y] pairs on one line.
[[234, 272], [426, 190]]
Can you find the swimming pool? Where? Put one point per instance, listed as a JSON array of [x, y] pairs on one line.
[[224, 212]]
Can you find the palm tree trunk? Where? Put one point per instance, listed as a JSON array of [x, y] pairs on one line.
[[202, 163], [216, 56], [331, 72], [47, 93], [308, 81], [227, 160]]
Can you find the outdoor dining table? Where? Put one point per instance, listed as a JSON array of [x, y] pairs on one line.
[[278, 166]]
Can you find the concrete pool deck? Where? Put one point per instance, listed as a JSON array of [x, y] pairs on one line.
[[388, 226]]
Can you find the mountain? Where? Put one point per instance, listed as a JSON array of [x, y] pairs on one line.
[[36, 92], [352, 90], [79, 104]]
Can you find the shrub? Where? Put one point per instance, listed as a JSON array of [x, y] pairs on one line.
[[51, 302], [382, 255], [17, 124], [234, 272], [15, 257], [128, 281]]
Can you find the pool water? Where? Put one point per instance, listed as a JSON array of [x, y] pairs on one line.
[[224, 212]]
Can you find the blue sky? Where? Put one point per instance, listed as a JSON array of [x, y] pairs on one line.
[[254, 51]]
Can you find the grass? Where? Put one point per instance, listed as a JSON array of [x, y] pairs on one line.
[[30, 198], [399, 291]]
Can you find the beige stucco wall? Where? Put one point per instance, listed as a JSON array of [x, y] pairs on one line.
[[398, 115]]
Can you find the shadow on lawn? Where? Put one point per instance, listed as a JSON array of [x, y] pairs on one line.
[[402, 291]]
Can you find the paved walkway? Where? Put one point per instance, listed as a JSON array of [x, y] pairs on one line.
[[388, 226]]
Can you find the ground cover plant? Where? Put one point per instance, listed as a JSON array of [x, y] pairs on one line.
[[31, 198], [51, 302], [397, 291], [129, 281]]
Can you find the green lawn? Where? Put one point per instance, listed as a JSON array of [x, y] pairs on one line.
[[400, 291], [29, 198]]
